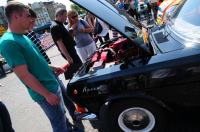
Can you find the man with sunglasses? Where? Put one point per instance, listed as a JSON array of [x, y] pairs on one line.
[[31, 68]]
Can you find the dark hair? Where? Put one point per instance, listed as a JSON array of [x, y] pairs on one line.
[[60, 12], [32, 13], [14, 6]]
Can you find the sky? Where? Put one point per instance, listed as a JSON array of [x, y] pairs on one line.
[[67, 3]]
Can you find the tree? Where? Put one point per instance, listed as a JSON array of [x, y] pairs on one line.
[[78, 9]]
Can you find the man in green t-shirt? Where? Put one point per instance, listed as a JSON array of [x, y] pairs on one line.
[[31, 68]]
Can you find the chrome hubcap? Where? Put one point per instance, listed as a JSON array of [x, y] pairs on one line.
[[136, 120]]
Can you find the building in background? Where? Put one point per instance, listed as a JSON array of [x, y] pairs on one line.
[[51, 7], [3, 21], [45, 13], [43, 17]]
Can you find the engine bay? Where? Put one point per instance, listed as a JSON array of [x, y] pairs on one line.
[[113, 53]]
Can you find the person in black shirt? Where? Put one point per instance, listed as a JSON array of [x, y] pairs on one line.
[[5, 121], [66, 45], [65, 42]]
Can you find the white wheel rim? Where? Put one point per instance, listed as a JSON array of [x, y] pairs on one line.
[[137, 116]]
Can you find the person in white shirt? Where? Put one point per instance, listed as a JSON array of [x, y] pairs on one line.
[[80, 29], [154, 7], [105, 30]]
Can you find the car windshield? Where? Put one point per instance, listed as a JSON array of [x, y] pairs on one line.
[[123, 13], [186, 21]]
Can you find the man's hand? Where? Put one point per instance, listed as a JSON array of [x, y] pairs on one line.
[[66, 66], [64, 51], [57, 70], [32, 82], [52, 99]]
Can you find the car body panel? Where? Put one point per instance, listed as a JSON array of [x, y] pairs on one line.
[[160, 61], [171, 75], [166, 43]]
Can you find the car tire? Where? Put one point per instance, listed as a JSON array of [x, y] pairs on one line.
[[133, 115]]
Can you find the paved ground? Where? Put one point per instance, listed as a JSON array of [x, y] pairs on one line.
[[26, 115]]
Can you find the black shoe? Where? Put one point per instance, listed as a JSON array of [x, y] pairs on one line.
[[74, 128], [2, 75]]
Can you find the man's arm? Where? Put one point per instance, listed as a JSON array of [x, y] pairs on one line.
[[22, 72], [64, 51], [56, 33]]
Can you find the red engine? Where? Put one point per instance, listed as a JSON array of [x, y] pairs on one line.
[[113, 53]]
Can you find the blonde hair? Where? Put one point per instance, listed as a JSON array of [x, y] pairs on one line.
[[71, 13]]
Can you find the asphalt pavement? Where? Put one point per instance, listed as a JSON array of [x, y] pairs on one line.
[[26, 115]]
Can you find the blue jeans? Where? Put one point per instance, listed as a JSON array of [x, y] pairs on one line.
[[56, 114], [67, 101]]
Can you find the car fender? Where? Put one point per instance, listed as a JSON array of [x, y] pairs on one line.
[[125, 96]]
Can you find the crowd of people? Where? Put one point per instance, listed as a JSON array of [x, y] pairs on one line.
[[76, 42], [137, 7]]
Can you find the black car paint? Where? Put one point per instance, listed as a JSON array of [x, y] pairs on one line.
[[170, 76], [156, 76]]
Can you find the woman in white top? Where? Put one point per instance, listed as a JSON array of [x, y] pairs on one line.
[[80, 30]]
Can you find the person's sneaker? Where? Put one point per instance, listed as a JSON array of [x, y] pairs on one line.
[[76, 129], [90, 117], [86, 116]]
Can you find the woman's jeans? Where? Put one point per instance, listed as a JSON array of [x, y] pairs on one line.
[[56, 114]]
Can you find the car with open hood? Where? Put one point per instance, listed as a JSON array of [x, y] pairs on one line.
[[130, 83]]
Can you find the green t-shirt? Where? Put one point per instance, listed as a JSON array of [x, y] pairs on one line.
[[19, 50]]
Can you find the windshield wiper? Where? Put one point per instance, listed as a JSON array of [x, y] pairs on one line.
[[169, 22]]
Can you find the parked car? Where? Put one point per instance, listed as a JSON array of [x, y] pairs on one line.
[[133, 86], [4, 68], [2, 71]]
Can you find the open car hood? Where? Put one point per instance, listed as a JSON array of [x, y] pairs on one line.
[[118, 19]]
